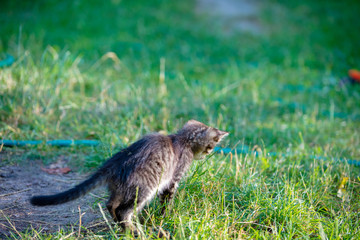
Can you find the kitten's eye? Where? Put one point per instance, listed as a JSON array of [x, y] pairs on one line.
[[216, 138]]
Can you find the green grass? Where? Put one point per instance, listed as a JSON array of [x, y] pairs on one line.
[[89, 69]]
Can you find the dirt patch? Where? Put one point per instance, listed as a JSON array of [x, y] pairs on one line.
[[232, 15], [19, 183]]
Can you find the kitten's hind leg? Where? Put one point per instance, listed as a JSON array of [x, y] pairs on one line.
[[113, 204], [124, 215], [125, 211]]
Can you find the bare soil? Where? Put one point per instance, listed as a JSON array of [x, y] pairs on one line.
[[19, 183], [233, 15]]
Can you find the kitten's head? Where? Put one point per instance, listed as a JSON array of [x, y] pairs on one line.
[[201, 138]]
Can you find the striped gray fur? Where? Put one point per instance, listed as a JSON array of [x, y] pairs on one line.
[[153, 165]]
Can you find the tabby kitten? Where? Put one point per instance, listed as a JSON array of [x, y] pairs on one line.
[[153, 165]]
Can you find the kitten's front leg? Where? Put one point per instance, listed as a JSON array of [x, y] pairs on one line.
[[166, 196]]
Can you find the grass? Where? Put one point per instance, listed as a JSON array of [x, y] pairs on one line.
[[88, 69]]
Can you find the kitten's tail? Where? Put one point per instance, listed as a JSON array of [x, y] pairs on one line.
[[94, 181]]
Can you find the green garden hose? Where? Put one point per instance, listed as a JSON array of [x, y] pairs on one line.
[[239, 150], [8, 61]]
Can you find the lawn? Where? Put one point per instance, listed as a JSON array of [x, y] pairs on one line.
[[116, 70]]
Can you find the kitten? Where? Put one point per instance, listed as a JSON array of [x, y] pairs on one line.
[[153, 165]]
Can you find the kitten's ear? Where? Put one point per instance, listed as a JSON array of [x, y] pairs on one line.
[[192, 122], [217, 134], [222, 134]]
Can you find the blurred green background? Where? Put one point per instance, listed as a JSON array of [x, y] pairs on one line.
[[116, 70], [92, 68]]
